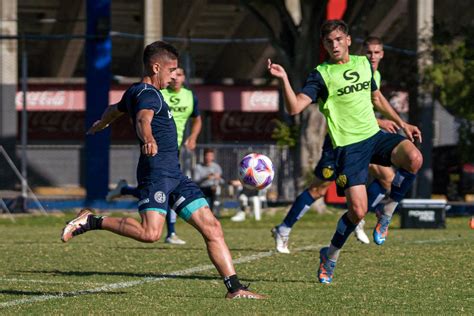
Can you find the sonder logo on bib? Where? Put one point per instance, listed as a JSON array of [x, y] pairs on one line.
[[353, 76]]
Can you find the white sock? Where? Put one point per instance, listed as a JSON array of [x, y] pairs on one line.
[[333, 253], [284, 230], [389, 207]]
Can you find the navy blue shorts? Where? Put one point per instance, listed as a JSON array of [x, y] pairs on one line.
[[181, 195], [326, 167], [352, 161]]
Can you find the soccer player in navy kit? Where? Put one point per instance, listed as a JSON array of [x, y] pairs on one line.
[[160, 181]]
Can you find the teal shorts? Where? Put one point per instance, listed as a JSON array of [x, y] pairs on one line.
[[180, 195]]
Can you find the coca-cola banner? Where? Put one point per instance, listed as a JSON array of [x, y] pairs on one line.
[[69, 125], [243, 126], [71, 97], [60, 97]]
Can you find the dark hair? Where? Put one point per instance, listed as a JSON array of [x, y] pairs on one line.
[[373, 40], [332, 25], [208, 150], [160, 49]]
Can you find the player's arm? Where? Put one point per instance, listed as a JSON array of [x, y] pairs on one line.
[[110, 114], [388, 125], [143, 125], [294, 103], [382, 105], [196, 125]]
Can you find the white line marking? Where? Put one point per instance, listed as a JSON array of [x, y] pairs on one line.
[[122, 285], [49, 281]]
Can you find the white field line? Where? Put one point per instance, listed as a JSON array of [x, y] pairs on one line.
[[127, 284], [49, 281]]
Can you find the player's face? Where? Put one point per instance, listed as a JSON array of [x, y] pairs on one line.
[[209, 157], [178, 82], [167, 72], [374, 53], [337, 45]]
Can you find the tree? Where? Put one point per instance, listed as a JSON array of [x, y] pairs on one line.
[[452, 79], [297, 45]]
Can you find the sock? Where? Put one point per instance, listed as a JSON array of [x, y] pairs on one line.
[[343, 230], [95, 221], [284, 230], [128, 190], [298, 209], [333, 253], [232, 283], [389, 208], [170, 221], [375, 193], [401, 184]]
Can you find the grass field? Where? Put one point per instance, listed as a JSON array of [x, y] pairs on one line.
[[417, 271]]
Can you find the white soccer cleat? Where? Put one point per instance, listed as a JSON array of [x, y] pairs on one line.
[[360, 234], [116, 192], [174, 239], [77, 226], [281, 242], [239, 217]]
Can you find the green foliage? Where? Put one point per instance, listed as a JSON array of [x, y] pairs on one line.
[[452, 78], [284, 134]]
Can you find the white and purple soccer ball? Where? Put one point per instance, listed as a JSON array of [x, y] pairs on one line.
[[256, 171]]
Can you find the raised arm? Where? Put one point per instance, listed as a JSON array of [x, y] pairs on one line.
[[382, 105], [143, 125], [294, 103], [110, 114]]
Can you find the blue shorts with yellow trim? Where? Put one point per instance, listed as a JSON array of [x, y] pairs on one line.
[[326, 168], [181, 195], [352, 161]]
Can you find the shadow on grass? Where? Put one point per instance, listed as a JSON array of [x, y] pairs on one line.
[[159, 276]]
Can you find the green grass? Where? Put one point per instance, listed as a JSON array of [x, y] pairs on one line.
[[417, 271]]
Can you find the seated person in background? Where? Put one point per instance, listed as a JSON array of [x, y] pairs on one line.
[[244, 195], [208, 176]]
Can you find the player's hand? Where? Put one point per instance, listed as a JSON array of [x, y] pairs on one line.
[[190, 144], [96, 127], [150, 149], [388, 125], [412, 132], [276, 70]]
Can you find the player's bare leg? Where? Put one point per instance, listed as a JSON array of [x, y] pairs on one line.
[[210, 228], [149, 230], [357, 207], [408, 159], [377, 190]]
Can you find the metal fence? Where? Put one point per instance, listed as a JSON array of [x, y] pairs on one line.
[[64, 165]]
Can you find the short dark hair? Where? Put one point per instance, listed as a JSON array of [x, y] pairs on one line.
[[332, 25], [208, 150], [159, 48], [373, 40]]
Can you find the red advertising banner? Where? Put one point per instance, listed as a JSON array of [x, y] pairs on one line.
[[42, 97], [242, 126]]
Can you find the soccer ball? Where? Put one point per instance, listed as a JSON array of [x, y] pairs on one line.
[[256, 171]]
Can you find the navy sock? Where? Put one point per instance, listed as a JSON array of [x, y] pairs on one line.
[[232, 283], [375, 194], [299, 208], [401, 184], [128, 190], [170, 221], [95, 221], [344, 228]]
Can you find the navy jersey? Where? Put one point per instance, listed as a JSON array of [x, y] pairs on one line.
[[142, 96]]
